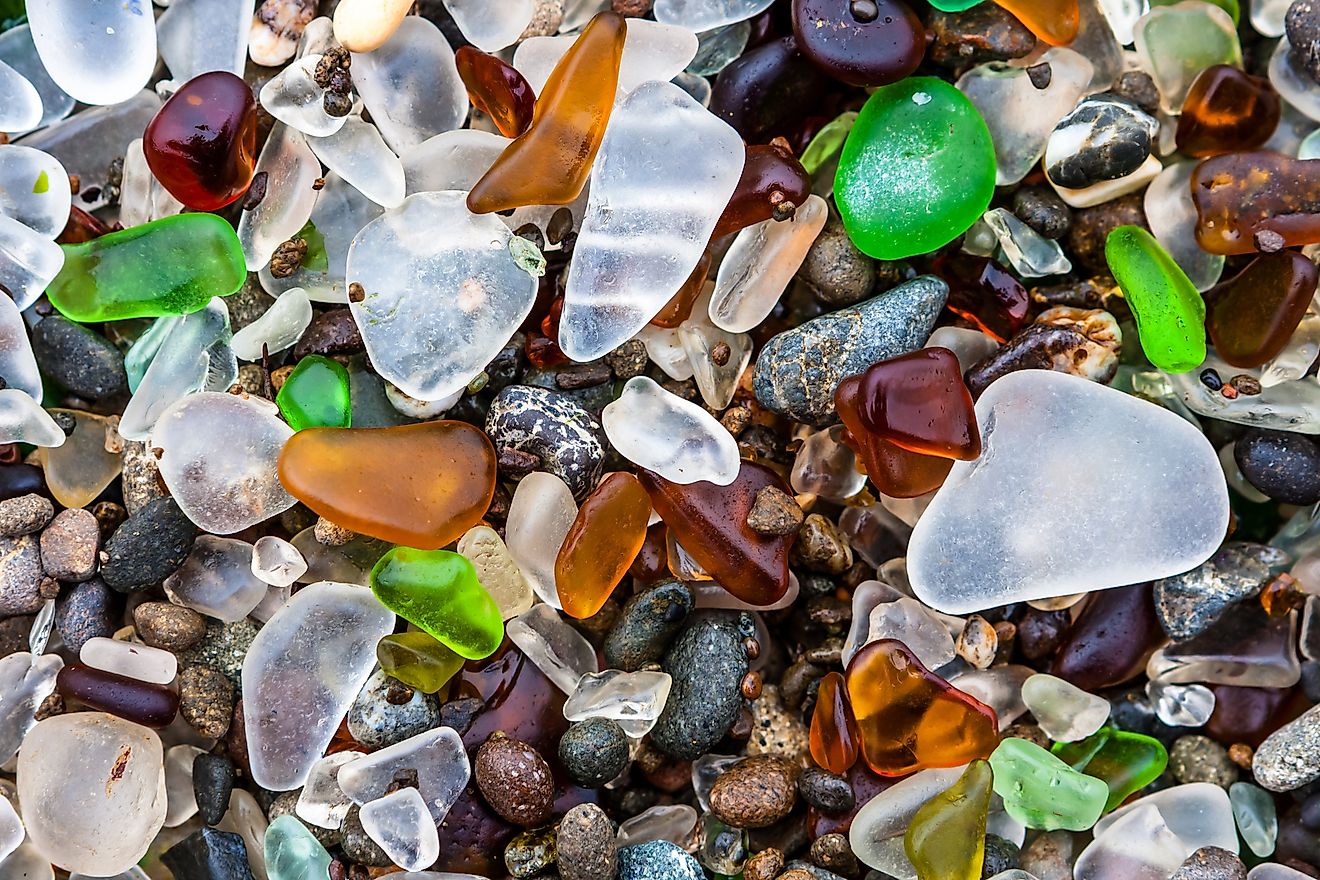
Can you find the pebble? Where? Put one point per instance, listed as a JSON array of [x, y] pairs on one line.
[[628, 360], [223, 647], [515, 780], [594, 751], [1104, 138], [566, 439], [833, 853], [358, 845], [20, 576], [1196, 758], [213, 781], [208, 854], [822, 547], [985, 32], [169, 626], [331, 332], [69, 545], [776, 730], [1188, 604], [1138, 87], [87, 611], [1000, 855], [835, 269], [1090, 227], [1302, 25], [1049, 856], [764, 865], [1281, 464], [24, 515], [1079, 342], [141, 480], [387, 711], [657, 860], [530, 852], [1287, 758], [586, 845], [1042, 210], [798, 370], [756, 792], [1211, 863], [206, 700], [149, 547], [774, 512], [81, 360], [707, 663], [825, 791], [646, 626]]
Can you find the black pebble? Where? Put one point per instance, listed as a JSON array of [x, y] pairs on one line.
[[594, 751], [88, 611], [213, 782], [1042, 210], [825, 791], [148, 547], [646, 626], [80, 359], [1000, 855], [1283, 465], [208, 854]]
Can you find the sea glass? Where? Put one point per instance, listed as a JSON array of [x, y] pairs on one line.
[[1171, 216], [834, 737], [34, 189], [600, 545], [316, 395], [1169, 311], [1175, 43], [201, 36], [202, 144], [1227, 110], [947, 836], [557, 649], [30, 261], [438, 591], [403, 828], [1251, 317], [633, 699], [703, 15], [418, 660], [861, 46], [1252, 201], [75, 39], [773, 185], [22, 104], [277, 562], [216, 579], [1126, 762], [497, 89], [1041, 791], [1066, 713], [291, 170], [540, 515], [675, 438], [293, 852]]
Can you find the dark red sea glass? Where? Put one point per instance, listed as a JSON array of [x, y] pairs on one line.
[[151, 705], [1251, 316], [1111, 640], [497, 89], [919, 402], [773, 184], [985, 293], [1256, 201], [860, 42]]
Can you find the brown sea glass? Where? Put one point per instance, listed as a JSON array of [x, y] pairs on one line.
[[609, 529], [918, 401], [984, 293], [711, 523], [151, 705], [834, 737], [1256, 201], [1111, 640], [910, 718], [773, 184], [497, 89], [860, 42], [1251, 316], [769, 91], [550, 162], [421, 486], [1054, 21], [652, 561], [1227, 110], [679, 307]]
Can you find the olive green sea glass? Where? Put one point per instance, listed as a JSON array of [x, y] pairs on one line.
[[946, 838], [1125, 762], [316, 395], [438, 592], [1170, 313], [171, 266], [417, 660], [1041, 791]]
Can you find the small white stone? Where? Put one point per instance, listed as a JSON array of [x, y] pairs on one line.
[[677, 439], [277, 562], [1064, 711], [365, 25], [142, 662]]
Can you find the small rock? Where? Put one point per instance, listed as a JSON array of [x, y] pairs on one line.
[[774, 512], [565, 438], [208, 854], [755, 792], [1211, 863], [978, 642], [586, 846], [149, 547], [1000, 855], [983, 33], [20, 576], [168, 626], [594, 751], [81, 360], [1196, 758], [530, 852], [386, 712], [459, 714], [331, 332], [1281, 464], [1049, 856], [707, 663], [206, 700], [647, 624], [515, 780], [1079, 342], [1138, 87], [1287, 758], [1090, 227], [331, 535], [835, 269], [223, 647], [821, 546], [24, 515], [825, 791], [657, 860], [1188, 604], [357, 844], [1042, 210], [1302, 25], [88, 611], [141, 480], [765, 865], [776, 730], [69, 545], [213, 782], [833, 853], [547, 16], [1104, 138], [628, 360], [800, 870], [1039, 633]]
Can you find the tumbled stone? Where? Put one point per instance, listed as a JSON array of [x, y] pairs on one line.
[[565, 439], [707, 663], [1106, 137], [1188, 603], [755, 792]]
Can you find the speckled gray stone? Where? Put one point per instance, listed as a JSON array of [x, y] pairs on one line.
[[376, 722], [80, 359], [835, 269], [223, 647], [1187, 604], [594, 751], [816, 871], [1290, 756], [87, 611], [707, 663], [657, 860], [566, 438], [1211, 863], [141, 478], [20, 576], [148, 547], [825, 791], [646, 625], [798, 370], [586, 845], [1196, 758]]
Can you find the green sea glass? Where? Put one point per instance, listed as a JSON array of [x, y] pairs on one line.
[[1041, 791], [1170, 314], [417, 660], [292, 853], [171, 266], [438, 592], [1125, 762], [316, 395], [946, 838], [917, 169]]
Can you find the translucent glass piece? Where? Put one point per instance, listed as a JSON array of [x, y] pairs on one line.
[[400, 824], [673, 437], [411, 85], [1172, 220], [19, 52], [277, 562], [278, 328], [358, 154], [540, 515], [651, 51], [217, 580], [28, 261], [23, 421], [142, 662], [25, 682], [199, 36], [558, 650], [491, 27], [75, 37], [633, 699], [293, 97], [291, 169], [704, 15], [437, 756], [34, 189], [18, 365]]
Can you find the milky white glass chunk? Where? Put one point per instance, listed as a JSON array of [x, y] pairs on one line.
[[662, 432], [199, 36], [999, 687], [1064, 711], [322, 802], [34, 188], [293, 97], [303, 671], [633, 699], [142, 662], [18, 365], [665, 349], [451, 160], [19, 52], [23, 421], [277, 329], [20, 105], [180, 801], [540, 515], [651, 51], [908, 621], [217, 580], [497, 570], [1172, 219], [558, 650], [705, 15], [25, 682], [1200, 813], [411, 85], [277, 562], [28, 261], [77, 38], [1139, 844], [358, 154], [291, 169], [11, 829], [438, 758], [672, 822], [491, 26], [401, 826]]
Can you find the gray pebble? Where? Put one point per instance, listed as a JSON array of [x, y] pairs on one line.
[[586, 844], [148, 547], [24, 515], [223, 647], [1196, 758], [376, 720], [835, 269], [80, 359], [1211, 863], [86, 612], [20, 576], [565, 437], [594, 751], [1041, 208], [208, 854], [816, 871], [286, 803], [1188, 604], [1104, 138], [707, 663], [1290, 756], [168, 626], [798, 370], [1302, 25], [825, 791], [646, 625], [69, 545], [1050, 856], [657, 860]]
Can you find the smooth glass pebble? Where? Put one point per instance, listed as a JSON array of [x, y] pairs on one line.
[[633, 699], [317, 394], [491, 28], [1181, 705], [27, 862], [673, 437], [223, 490], [1297, 354], [1174, 43], [665, 164], [217, 580], [666, 351], [202, 144], [701, 340], [277, 329], [1066, 713], [22, 420], [291, 169], [1292, 82], [451, 160], [339, 214], [438, 592], [915, 626], [293, 97], [1140, 844], [292, 852], [540, 515], [181, 803], [80, 468], [200, 36], [142, 198], [19, 52], [1172, 220], [358, 154], [127, 658], [34, 188], [277, 562], [401, 257], [947, 834], [401, 826], [497, 570], [999, 687], [1126, 762], [672, 822], [606, 536], [557, 649], [11, 829], [1256, 817], [75, 37], [651, 51], [18, 365], [1248, 648], [303, 670], [322, 802], [1056, 416], [883, 820], [418, 660], [705, 15], [438, 758], [827, 467], [1043, 792], [25, 682], [1031, 254], [1200, 813], [29, 261]]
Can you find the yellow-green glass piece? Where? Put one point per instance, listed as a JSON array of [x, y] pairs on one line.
[[946, 839], [417, 660]]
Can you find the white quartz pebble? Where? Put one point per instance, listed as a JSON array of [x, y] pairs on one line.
[[92, 788], [633, 699], [302, 672], [199, 36], [401, 826], [358, 154], [25, 682], [20, 105], [558, 650], [665, 172], [278, 328], [34, 188], [28, 261], [11, 829], [651, 51], [1064, 711], [411, 85], [705, 15], [99, 51], [217, 580], [916, 626], [293, 97], [540, 515], [22, 420], [277, 562], [142, 662], [291, 170], [435, 273], [497, 570], [322, 802], [438, 758], [223, 487], [491, 26], [1027, 521], [181, 802], [660, 431], [18, 365], [19, 52]]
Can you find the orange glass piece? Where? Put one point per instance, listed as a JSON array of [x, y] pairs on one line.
[[549, 163], [1254, 201], [600, 545], [919, 401], [1282, 595], [834, 735], [773, 184], [679, 307], [911, 719], [1252, 315], [421, 486], [1227, 110], [652, 561], [497, 89], [1054, 21], [711, 523]]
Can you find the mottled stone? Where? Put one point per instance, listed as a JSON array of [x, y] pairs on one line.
[[756, 792], [141, 479], [986, 32], [764, 865], [87, 611], [594, 751], [223, 647], [69, 545], [586, 845], [1211, 863], [1290, 756], [169, 626], [825, 791], [386, 712], [565, 439], [820, 546], [208, 854], [1188, 604], [530, 852], [1042, 210], [657, 860], [835, 269], [515, 780], [776, 730], [707, 663], [20, 576], [206, 700], [149, 547], [1104, 138], [774, 512], [24, 515], [78, 358], [647, 624], [1090, 227]]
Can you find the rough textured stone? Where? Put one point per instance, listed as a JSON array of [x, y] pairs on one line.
[[707, 663], [1287, 759], [764, 865], [1090, 227], [149, 547], [657, 860], [208, 854], [530, 853], [835, 269], [69, 545], [586, 846], [223, 647], [88, 611], [387, 711], [756, 792], [647, 624], [515, 780], [776, 730], [206, 700], [1187, 604], [774, 512], [213, 782], [1211, 863], [141, 479], [565, 438], [594, 751], [825, 791], [1302, 27], [20, 576], [820, 546], [24, 515], [358, 845], [169, 626], [986, 32], [80, 359]]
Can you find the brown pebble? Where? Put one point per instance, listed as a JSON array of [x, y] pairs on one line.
[[751, 685], [755, 792], [168, 626], [821, 546], [331, 332], [331, 535], [1029, 732], [628, 360], [983, 33], [1241, 754], [632, 8], [288, 257], [1091, 226], [586, 844], [774, 512], [515, 780], [833, 853], [797, 874], [24, 515], [206, 700], [69, 545], [765, 865]]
